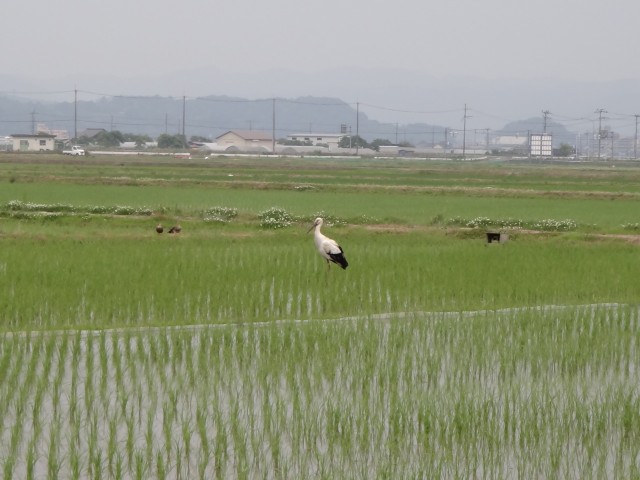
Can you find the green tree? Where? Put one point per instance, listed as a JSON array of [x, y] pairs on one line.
[[565, 150], [297, 143], [172, 141], [140, 140], [109, 139], [353, 142]]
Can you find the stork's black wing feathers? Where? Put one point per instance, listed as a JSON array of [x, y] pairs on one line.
[[339, 258]]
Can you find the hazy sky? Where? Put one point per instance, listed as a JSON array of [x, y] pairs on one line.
[[566, 39]]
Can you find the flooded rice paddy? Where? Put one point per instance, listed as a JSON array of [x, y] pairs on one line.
[[551, 392]]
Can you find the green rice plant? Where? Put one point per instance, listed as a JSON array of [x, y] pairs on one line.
[[141, 466], [119, 468], [161, 470], [149, 431], [31, 460], [53, 455], [449, 394], [167, 430], [130, 440], [408, 193], [74, 460], [8, 466], [11, 370], [433, 356], [112, 447], [104, 366], [185, 442]]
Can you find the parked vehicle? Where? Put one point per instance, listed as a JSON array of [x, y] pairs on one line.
[[75, 150]]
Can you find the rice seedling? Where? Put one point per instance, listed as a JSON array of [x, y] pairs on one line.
[[231, 351], [533, 392], [399, 193], [274, 276]]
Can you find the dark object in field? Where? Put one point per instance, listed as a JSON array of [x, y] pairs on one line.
[[176, 229], [497, 237], [159, 228]]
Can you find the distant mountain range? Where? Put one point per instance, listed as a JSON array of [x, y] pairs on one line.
[[392, 104]]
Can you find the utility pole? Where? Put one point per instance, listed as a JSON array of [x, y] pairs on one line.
[[464, 132], [33, 122], [357, 126], [184, 116], [635, 140], [600, 111], [612, 149], [273, 125], [486, 137], [545, 114], [75, 114]]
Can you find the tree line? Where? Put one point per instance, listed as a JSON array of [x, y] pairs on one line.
[[115, 138]]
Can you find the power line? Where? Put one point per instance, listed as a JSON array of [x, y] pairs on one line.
[[7, 92], [424, 112], [84, 116]]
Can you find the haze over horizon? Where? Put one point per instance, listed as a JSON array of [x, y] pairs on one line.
[[505, 59], [568, 40]]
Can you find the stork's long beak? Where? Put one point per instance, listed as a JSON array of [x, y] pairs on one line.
[[312, 227]]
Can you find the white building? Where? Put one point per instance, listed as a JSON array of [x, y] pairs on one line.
[[253, 141], [541, 144], [331, 140], [511, 140], [41, 142]]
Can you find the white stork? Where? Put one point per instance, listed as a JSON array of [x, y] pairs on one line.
[[327, 248]]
